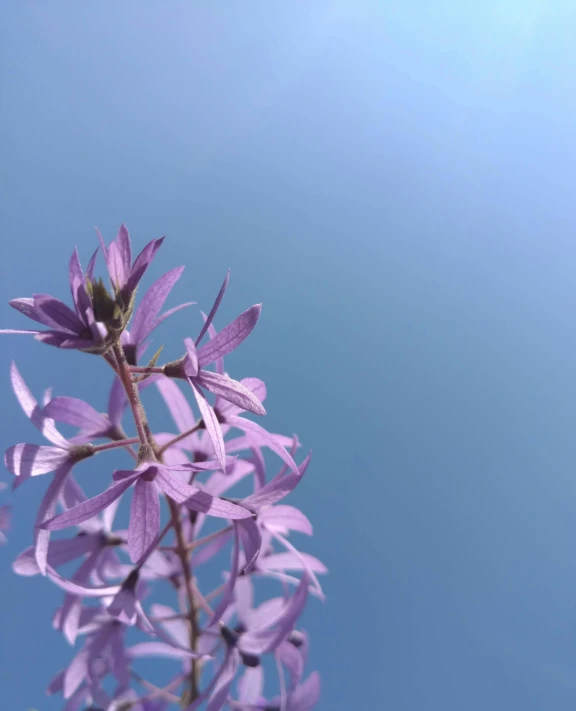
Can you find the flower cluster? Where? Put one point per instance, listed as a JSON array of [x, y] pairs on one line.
[[199, 496]]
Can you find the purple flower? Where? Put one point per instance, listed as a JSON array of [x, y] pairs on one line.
[[146, 317], [303, 697], [94, 543], [67, 328], [220, 640], [192, 368], [26, 460], [268, 628], [144, 526], [125, 275]]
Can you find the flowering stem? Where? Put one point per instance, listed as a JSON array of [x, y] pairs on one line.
[[146, 438], [122, 368], [187, 698], [145, 369], [116, 443]]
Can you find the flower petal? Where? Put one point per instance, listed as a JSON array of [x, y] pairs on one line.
[[263, 437], [144, 524], [176, 403], [256, 386], [286, 518], [251, 685], [33, 410], [144, 320], [198, 500], [211, 423], [230, 337], [230, 390], [228, 590], [291, 561], [142, 262], [89, 508], [157, 649], [266, 640], [77, 413], [191, 364], [251, 541], [32, 459], [57, 315], [208, 320]]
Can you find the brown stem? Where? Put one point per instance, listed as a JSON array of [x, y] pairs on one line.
[[179, 437], [181, 550], [131, 393], [146, 439]]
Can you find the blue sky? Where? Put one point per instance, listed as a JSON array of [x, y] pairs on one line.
[[394, 181]]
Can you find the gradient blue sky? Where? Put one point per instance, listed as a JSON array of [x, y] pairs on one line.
[[395, 181]]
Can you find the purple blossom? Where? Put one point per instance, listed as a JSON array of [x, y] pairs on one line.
[[67, 328], [148, 478], [124, 274], [184, 511]]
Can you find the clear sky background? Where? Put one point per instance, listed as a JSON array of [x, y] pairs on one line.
[[395, 182]]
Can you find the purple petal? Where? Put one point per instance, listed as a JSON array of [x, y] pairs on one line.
[[251, 685], [177, 404], [256, 386], [229, 337], [60, 552], [251, 541], [169, 313], [230, 390], [263, 437], [115, 266], [291, 561], [33, 411], [123, 606], [210, 317], [142, 262], [89, 508], [92, 264], [228, 591], [191, 365], [124, 249], [80, 297], [225, 679], [306, 695], [266, 640], [46, 510], [147, 312], [57, 315], [144, 524], [219, 362], [116, 402], [76, 673], [78, 589], [157, 649], [76, 412], [274, 491], [32, 460], [26, 307], [72, 493], [292, 658], [198, 500], [286, 518], [211, 423]]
